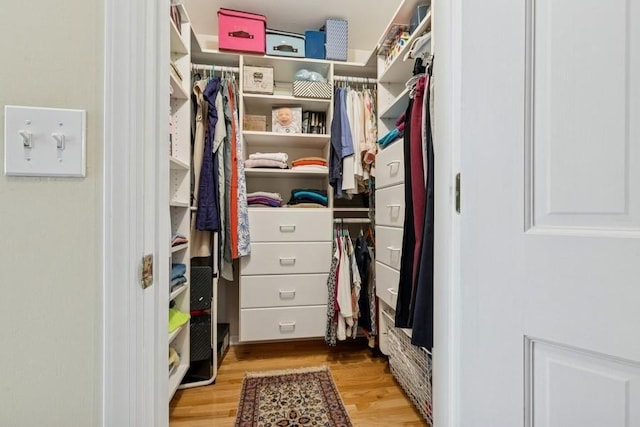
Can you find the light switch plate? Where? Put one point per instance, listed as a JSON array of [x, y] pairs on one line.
[[44, 141]]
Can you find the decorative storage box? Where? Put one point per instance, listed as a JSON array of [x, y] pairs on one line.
[[241, 31], [282, 43], [252, 122], [286, 119], [314, 44], [337, 39], [418, 15], [257, 79], [303, 88]]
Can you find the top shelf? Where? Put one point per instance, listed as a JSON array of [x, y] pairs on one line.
[[399, 70], [402, 16], [207, 52]]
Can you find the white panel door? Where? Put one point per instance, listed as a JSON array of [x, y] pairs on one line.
[[550, 216]]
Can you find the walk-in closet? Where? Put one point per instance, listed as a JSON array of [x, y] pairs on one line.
[[301, 207]]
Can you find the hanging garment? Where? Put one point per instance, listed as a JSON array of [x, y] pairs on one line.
[[218, 151], [343, 293], [405, 285], [330, 334], [348, 157], [335, 149], [356, 286], [200, 239], [370, 148], [422, 334], [363, 259], [244, 240], [207, 214], [226, 268], [417, 174]]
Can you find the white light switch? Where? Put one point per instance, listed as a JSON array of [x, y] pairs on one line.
[[44, 141]]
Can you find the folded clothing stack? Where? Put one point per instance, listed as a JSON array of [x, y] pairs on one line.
[[309, 198], [264, 198], [177, 319], [394, 134], [178, 239], [309, 163], [177, 276], [267, 160], [174, 359]]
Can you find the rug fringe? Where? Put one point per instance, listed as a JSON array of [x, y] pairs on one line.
[[260, 374]]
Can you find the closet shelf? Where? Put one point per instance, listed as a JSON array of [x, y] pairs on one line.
[[284, 173], [174, 334], [399, 70], [177, 44], [178, 204], [351, 209], [262, 101], [256, 138], [175, 294], [179, 248], [176, 377], [206, 51], [397, 106], [178, 90], [178, 164]]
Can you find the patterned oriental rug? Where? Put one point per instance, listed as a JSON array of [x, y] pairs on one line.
[[296, 397]]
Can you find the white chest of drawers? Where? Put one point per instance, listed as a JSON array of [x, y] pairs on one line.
[[390, 205], [283, 283]]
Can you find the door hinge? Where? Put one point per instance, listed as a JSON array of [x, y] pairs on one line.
[[458, 192]]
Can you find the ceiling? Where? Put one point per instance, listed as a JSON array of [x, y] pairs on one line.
[[366, 23]]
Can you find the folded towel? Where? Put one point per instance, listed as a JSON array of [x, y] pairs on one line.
[[177, 319], [301, 162], [280, 157], [178, 270], [275, 196], [263, 201], [308, 196], [310, 168], [264, 163], [390, 137], [311, 159], [306, 205], [177, 281]]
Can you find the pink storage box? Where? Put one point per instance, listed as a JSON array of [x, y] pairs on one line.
[[241, 31]]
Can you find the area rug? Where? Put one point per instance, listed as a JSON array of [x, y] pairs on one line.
[[295, 397]]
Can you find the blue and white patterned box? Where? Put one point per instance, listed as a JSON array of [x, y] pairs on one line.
[[337, 39]]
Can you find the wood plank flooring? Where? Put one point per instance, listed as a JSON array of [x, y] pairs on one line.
[[369, 392]]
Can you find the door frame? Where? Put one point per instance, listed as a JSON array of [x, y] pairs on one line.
[[133, 389], [136, 41], [447, 42]]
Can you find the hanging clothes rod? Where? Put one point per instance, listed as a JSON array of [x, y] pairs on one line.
[[350, 79], [222, 68], [351, 220]]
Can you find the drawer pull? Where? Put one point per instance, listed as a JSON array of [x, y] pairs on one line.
[[287, 261], [392, 249], [290, 325], [394, 206], [393, 162], [393, 292], [288, 228], [291, 294]]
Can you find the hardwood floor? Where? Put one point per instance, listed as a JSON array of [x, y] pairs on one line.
[[369, 392]]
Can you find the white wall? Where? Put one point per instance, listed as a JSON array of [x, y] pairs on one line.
[[50, 259]]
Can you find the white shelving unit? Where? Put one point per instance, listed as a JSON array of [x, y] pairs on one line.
[[409, 364], [180, 184], [393, 95]]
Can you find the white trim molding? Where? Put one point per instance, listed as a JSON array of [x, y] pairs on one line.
[[132, 389]]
